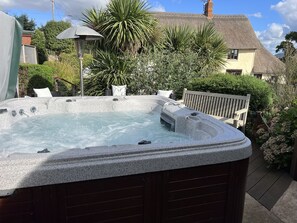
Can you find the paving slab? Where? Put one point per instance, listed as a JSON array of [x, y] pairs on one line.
[[286, 207], [254, 212]]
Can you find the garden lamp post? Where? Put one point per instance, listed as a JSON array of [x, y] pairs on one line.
[[80, 34]]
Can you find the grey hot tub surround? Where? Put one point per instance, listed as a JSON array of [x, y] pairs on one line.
[[222, 144]]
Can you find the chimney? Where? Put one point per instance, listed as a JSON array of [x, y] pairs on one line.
[[208, 9]]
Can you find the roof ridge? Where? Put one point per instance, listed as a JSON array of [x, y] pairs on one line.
[[221, 16]]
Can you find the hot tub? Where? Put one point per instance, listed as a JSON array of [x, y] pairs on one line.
[[200, 179]]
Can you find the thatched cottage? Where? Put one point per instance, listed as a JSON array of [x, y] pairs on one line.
[[246, 53]]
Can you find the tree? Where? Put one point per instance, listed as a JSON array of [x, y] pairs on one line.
[[26, 22], [51, 30], [178, 38], [287, 92], [211, 49], [287, 46], [126, 25], [38, 40]]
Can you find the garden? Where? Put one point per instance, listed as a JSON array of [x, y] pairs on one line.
[[138, 52]]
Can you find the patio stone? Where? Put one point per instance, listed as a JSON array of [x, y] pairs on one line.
[[254, 212], [286, 207]]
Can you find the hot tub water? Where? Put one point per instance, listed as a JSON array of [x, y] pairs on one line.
[[59, 132]]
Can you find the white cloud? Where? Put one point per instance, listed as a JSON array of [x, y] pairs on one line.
[[72, 8], [287, 8], [257, 15], [157, 7], [273, 36]]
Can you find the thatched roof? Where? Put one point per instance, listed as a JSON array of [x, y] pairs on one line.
[[266, 63], [236, 30]]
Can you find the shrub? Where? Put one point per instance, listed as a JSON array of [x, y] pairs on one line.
[[65, 70], [38, 40], [108, 69], [288, 91], [163, 71], [51, 30], [261, 92], [35, 76], [72, 59], [278, 142]]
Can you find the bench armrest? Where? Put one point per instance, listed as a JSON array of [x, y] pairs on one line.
[[239, 112]]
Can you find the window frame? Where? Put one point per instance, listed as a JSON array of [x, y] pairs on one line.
[[259, 76], [236, 72], [233, 54]]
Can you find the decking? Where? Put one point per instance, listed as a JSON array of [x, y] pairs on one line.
[[263, 184]]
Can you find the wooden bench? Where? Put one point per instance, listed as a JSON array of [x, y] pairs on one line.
[[231, 109]]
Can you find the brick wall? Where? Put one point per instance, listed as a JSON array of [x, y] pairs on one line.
[[26, 39]]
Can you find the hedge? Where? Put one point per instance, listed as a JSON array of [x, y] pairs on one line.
[[261, 92], [35, 76]]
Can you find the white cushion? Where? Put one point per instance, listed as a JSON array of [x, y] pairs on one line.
[[43, 92], [119, 90], [165, 93]]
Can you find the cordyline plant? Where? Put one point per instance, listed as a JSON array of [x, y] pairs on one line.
[[211, 49], [125, 25], [178, 38]]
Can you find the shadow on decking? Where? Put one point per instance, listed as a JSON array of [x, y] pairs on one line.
[[263, 184]]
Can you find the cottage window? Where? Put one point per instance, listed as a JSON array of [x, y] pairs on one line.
[[259, 76], [233, 54], [234, 72], [273, 79]]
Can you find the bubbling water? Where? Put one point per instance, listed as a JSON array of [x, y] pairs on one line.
[[60, 132]]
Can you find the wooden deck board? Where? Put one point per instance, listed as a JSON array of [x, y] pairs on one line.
[[265, 185], [256, 154], [269, 199], [259, 189], [256, 176], [255, 164]]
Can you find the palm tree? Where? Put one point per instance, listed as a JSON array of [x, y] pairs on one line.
[[112, 69], [210, 48], [94, 18], [125, 25], [178, 38]]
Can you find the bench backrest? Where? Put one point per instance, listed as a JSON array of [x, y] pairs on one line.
[[223, 105]]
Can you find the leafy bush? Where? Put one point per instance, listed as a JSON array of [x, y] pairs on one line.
[[286, 92], [67, 72], [278, 140], [94, 86], [35, 76], [108, 69], [72, 59], [163, 71], [261, 92], [68, 68], [51, 30], [38, 40]]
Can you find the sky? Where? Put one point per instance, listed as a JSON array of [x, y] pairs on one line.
[[271, 19]]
